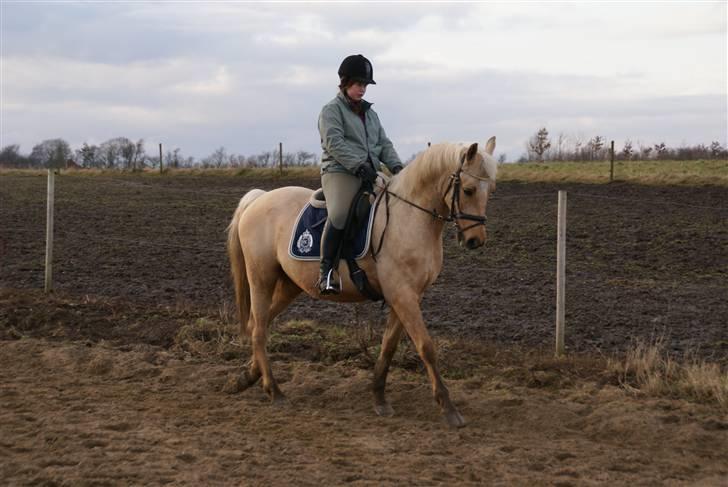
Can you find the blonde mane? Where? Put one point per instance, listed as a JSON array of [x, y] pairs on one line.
[[440, 160]]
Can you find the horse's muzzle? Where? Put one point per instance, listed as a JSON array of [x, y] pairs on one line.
[[473, 243]]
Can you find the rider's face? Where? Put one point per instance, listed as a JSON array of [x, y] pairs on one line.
[[356, 90]]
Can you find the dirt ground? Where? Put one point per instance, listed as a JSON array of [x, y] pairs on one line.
[[121, 376]]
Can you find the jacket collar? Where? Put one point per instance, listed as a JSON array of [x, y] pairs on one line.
[[364, 104]]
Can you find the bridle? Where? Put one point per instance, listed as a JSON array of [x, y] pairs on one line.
[[455, 213]]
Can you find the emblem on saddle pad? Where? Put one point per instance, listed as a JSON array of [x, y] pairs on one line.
[[305, 242]]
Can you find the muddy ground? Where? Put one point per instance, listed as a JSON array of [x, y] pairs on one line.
[[120, 376]]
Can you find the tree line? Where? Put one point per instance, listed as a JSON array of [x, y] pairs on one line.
[[541, 147], [125, 154]]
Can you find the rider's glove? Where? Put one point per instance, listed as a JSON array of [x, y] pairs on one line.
[[366, 173], [395, 170]]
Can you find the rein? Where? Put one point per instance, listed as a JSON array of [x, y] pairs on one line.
[[454, 215]]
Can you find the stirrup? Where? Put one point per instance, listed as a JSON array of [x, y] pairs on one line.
[[329, 284]]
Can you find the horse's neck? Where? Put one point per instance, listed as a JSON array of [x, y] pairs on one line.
[[429, 195], [420, 221]]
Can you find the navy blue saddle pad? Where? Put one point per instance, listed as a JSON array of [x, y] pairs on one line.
[[306, 239]]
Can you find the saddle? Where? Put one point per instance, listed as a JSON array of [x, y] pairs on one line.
[[306, 237]]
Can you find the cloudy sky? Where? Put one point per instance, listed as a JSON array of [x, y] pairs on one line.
[[200, 75]]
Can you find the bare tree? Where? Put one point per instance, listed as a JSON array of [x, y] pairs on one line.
[[89, 156], [173, 158], [579, 147], [10, 156], [289, 159], [216, 159], [595, 147], [560, 142], [539, 143], [265, 158], [304, 158], [51, 153], [715, 149], [132, 152], [627, 150]]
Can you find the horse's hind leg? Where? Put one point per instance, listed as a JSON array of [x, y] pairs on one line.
[[390, 340], [267, 301], [285, 292]]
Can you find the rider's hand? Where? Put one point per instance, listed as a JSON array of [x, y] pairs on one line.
[[395, 170], [366, 173]]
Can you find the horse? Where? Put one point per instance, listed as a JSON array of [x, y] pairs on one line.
[[445, 183]]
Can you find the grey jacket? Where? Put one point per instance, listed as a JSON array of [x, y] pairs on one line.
[[347, 142]]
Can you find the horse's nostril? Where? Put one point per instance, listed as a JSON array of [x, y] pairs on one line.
[[472, 243]]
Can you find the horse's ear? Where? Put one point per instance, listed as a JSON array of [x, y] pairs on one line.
[[472, 150], [490, 145]]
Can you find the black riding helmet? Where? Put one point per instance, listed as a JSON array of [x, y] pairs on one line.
[[357, 67]]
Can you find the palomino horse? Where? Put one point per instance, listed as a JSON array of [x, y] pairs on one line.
[[447, 182]]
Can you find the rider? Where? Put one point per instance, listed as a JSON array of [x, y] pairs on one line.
[[354, 147]]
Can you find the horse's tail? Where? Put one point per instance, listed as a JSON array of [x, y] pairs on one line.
[[237, 261]]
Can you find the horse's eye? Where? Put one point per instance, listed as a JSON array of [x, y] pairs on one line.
[[469, 191]]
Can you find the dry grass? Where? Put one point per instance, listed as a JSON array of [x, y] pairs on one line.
[[256, 173], [712, 172], [647, 368], [208, 337], [701, 172]]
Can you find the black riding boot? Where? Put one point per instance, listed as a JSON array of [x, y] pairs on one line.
[[329, 282]]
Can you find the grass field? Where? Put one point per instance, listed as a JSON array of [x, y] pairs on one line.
[[701, 172], [714, 172]]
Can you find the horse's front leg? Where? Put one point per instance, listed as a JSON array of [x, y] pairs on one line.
[[407, 307], [390, 340]]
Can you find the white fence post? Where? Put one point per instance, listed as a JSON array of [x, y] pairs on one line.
[[49, 233], [561, 274]]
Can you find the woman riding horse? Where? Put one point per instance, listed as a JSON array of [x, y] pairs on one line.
[[354, 146], [445, 183]]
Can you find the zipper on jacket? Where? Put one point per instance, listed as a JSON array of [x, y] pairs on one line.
[[366, 139]]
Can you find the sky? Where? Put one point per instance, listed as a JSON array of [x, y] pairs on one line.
[[246, 76]]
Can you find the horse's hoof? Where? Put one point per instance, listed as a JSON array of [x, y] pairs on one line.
[[384, 410], [280, 400], [455, 419]]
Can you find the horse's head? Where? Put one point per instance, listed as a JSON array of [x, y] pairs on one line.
[[467, 196]]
